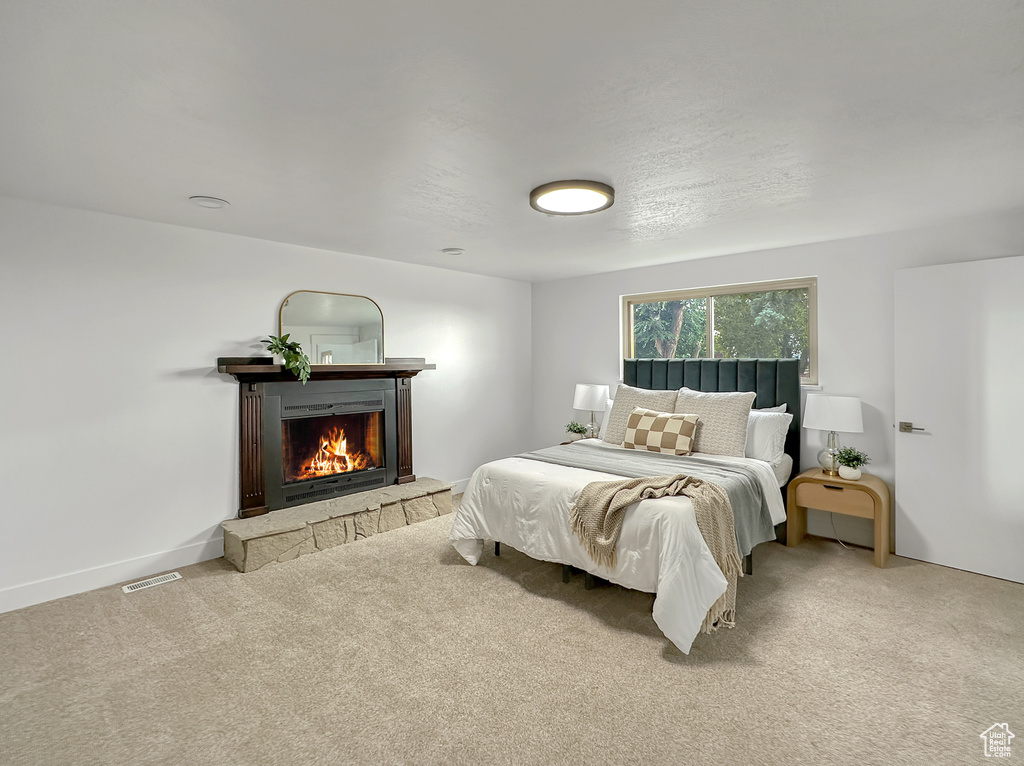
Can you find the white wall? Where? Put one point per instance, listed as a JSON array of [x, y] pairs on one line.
[[118, 438], [576, 335]]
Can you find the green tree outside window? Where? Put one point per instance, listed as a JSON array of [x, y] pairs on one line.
[[766, 323]]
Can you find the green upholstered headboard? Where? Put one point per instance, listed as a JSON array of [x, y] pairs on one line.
[[776, 381]]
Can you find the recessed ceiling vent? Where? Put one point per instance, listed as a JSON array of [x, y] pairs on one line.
[[150, 582]]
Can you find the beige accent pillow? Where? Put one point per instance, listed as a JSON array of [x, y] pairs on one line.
[[665, 432], [627, 399], [723, 420]]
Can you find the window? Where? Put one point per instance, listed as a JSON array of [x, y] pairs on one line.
[[763, 319]]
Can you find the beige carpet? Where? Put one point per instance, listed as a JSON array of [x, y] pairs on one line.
[[393, 650]]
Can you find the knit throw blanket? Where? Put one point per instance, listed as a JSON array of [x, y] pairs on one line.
[[597, 517]]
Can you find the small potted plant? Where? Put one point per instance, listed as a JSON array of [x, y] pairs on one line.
[[575, 430], [850, 460], [291, 352]]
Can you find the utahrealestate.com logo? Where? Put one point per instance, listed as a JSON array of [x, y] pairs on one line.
[[997, 740]]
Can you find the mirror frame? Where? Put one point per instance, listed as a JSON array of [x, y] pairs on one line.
[[280, 325]]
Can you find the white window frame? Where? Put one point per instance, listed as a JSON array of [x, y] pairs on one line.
[[808, 283]]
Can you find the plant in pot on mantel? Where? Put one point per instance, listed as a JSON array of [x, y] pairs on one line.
[[291, 352], [850, 460]]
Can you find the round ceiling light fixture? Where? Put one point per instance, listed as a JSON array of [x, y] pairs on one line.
[[212, 203], [453, 250], [572, 197]]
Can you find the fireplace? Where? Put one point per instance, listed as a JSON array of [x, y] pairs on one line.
[[326, 445], [328, 438], [349, 429]]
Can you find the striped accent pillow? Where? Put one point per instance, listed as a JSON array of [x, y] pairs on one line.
[[666, 432]]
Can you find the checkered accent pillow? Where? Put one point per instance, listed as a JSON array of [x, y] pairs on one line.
[[664, 432]]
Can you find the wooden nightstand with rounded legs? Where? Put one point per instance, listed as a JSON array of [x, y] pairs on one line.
[[868, 497]]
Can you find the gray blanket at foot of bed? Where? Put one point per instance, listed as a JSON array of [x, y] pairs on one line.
[[752, 516]]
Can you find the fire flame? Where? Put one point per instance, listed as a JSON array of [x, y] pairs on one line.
[[333, 457]]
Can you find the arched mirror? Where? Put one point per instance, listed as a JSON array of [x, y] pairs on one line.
[[334, 328]]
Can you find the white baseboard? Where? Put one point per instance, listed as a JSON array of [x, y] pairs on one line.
[[37, 592], [19, 596]]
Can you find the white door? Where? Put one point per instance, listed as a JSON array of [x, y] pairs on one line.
[[960, 379]]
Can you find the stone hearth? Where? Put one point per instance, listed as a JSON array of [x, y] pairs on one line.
[[286, 534]]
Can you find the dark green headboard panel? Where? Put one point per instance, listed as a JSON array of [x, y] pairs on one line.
[[776, 381]]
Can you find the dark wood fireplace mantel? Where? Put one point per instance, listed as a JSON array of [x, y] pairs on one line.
[[253, 373], [261, 369]]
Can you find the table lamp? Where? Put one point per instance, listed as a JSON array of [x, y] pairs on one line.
[[592, 397], [832, 414]]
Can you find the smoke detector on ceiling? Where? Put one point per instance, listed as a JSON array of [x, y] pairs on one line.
[[212, 203]]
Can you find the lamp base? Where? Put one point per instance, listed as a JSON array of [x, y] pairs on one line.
[[827, 456]]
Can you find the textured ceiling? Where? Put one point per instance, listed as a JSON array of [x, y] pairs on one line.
[[396, 129]]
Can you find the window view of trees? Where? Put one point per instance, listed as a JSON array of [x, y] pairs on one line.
[[758, 323], [671, 329], [764, 324]]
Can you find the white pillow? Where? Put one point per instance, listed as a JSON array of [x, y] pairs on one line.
[[722, 429], [766, 435], [780, 408], [627, 399]]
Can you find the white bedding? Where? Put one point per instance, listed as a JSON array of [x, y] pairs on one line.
[[783, 470], [525, 504]]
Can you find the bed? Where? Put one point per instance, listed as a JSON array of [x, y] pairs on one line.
[[524, 501]]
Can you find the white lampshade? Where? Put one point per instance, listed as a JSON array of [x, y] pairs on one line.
[[590, 396], [833, 413]]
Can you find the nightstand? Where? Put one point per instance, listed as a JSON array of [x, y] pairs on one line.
[[868, 497]]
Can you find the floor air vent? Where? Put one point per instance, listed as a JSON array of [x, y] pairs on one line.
[[150, 582]]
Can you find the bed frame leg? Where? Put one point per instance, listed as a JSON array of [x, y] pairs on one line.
[[566, 571], [497, 548], [588, 581], [748, 564]]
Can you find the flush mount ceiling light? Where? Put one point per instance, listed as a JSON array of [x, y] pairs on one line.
[[453, 250], [572, 197], [213, 203]]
